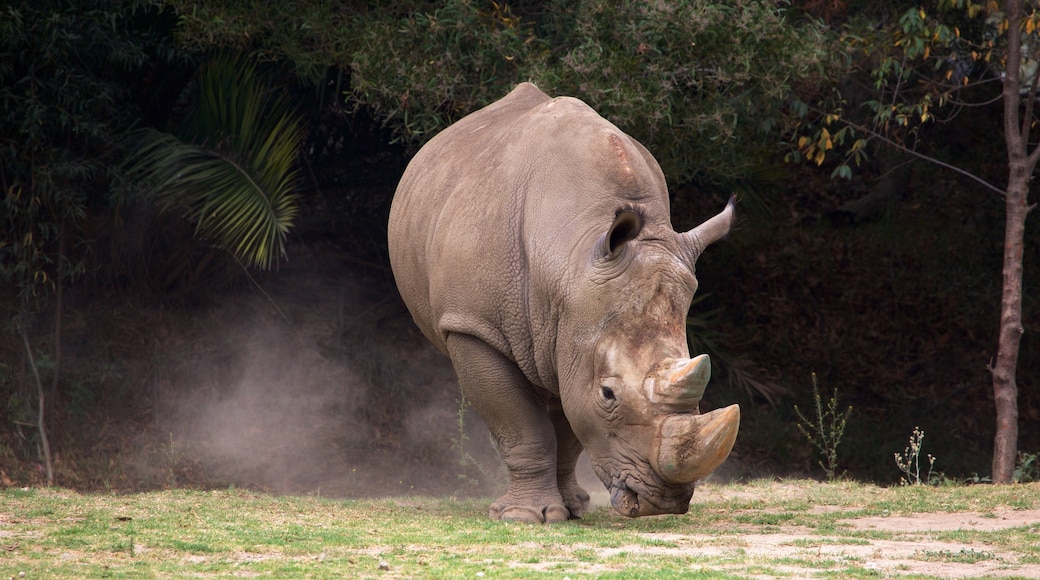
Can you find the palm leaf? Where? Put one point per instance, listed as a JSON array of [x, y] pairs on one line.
[[234, 175]]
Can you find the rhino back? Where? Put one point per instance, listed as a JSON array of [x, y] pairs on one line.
[[445, 240], [495, 218]]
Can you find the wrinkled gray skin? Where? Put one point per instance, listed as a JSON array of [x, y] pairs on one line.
[[532, 244]]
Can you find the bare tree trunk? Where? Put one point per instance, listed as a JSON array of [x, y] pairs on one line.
[[1005, 387], [1021, 163], [59, 284], [40, 418]]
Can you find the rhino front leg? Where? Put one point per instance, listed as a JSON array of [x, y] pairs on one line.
[[524, 435], [568, 449]]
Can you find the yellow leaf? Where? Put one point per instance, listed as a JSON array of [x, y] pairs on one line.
[[927, 51], [819, 157], [828, 145], [921, 12], [802, 141]]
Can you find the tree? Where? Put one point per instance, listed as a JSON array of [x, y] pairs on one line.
[[1018, 124], [941, 55]]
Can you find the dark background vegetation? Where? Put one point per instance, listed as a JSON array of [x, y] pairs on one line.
[[180, 367]]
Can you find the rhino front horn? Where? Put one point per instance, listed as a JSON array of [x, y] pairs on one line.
[[689, 447]]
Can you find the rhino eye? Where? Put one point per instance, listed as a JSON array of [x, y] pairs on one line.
[[608, 393]]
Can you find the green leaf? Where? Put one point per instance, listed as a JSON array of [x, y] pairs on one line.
[[235, 175]]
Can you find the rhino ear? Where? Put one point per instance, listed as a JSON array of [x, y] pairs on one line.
[[627, 225]]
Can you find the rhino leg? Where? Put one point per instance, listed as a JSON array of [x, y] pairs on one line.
[[568, 449], [522, 430]]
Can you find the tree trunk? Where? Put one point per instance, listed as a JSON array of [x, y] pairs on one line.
[[1005, 387], [59, 284], [40, 413], [1021, 163]]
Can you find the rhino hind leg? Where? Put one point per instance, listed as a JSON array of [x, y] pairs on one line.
[[568, 449], [522, 430]]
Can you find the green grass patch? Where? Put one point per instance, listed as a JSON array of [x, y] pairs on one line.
[[781, 529], [963, 556]]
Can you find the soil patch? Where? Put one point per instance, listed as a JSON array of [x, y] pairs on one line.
[[915, 550]]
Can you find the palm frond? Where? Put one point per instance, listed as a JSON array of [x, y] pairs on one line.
[[235, 175]]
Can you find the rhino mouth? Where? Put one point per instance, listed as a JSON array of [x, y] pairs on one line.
[[631, 498]]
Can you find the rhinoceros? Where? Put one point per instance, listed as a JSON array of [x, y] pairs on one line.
[[531, 242]]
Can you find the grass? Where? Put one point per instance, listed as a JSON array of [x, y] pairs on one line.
[[804, 526]]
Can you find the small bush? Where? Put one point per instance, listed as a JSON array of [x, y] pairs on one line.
[[909, 461], [825, 432]]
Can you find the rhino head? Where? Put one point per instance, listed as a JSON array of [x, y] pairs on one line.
[[633, 393]]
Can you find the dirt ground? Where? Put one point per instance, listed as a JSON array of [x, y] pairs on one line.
[[919, 549], [889, 558]]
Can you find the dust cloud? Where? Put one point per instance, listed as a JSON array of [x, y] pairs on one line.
[[319, 384]]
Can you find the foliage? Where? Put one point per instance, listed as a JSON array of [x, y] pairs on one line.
[[826, 430], [75, 75], [932, 64], [1028, 468], [467, 465], [703, 84], [65, 103], [309, 35], [235, 173], [426, 69], [66, 68], [26, 252]]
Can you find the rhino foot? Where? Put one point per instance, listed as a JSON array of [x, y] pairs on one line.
[[575, 498], [514, 511]]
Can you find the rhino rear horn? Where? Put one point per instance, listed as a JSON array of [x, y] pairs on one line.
[[681, 382], [710, 231]]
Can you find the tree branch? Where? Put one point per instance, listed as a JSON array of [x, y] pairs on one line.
[[888, 141]]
